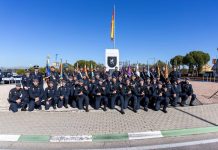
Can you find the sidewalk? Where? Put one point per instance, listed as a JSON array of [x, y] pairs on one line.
[[79, 123]]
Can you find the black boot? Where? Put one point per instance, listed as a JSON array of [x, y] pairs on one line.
[[122, 112], [104, 109], [145, 109], [87, 109], [23, 109]]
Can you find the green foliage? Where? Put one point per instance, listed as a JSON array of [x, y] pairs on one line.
[[81, 63], [20, 71], [177, 61]]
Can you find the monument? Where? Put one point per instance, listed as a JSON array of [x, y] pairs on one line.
[[112, 55]]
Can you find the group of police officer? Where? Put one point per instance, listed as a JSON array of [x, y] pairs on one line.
[[97, 88]]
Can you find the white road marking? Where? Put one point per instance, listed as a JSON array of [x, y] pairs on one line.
[[9, 138], [82, 138], [144, 135]]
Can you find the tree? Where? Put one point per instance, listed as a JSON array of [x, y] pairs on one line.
[[81, 63], [196, 59], [177, 61], [20, 71]]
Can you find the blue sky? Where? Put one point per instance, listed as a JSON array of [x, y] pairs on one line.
[[80, 29]]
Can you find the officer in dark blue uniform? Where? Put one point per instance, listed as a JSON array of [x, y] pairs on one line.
[[162, 97], [116, 73], [143, 94], [36, 96], [187, 91], [104, 74], [174, 75], [115, 93], [177, 92], [51, 96], [37, 75], [100, 94], [63, 93], [153, 74], [54, 77], [81, 94], [71, 86], [144, 74], [129, 94], [16, 98], [26, 83]]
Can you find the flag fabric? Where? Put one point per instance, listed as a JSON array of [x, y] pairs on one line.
[[91, 69], [129, 71], [166, 73], [48, 71], [137, 70], [85, 70], [77, 66], [158, 70], [113, 24], [148, 70], [61, 70]]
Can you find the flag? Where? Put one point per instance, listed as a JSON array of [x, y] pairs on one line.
[[137, 70], [85, 70], [77, 66], [48, 71], [91, 69], [158, 70], [166, 73], [148, 70], [113, 24], [61, 70], [129, 71]]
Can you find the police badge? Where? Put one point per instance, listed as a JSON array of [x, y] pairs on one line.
[[112, 61]]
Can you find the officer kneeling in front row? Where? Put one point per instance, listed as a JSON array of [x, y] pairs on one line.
[[17, 98], [36, 95], [50, 96]]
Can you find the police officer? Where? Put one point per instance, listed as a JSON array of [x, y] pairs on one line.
[[16, 98], [143, 94], [54, 77], [100, 93], [129, 93], [63, 93], [177, 92], [116, 73], [36, 96], [144, 74], [81, 93], [26, 83], [51, 96], [115, 93], [104, 74], [162, 97], [187, 91], [174, 75], [153, 74], [37, 75]]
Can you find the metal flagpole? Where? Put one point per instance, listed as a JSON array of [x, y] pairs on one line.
[[114, 26]]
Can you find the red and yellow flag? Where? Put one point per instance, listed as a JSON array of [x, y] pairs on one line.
[[113, 24]]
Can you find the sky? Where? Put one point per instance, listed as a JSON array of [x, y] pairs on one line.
[[80, 29]]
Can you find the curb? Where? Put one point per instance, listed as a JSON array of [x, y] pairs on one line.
[[108, 137]]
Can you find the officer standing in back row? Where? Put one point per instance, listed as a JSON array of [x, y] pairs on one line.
[[37, 75]]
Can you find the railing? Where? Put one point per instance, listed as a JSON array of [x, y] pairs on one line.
[[204, 79]]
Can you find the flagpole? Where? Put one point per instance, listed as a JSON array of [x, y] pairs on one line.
[[114, 25]]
